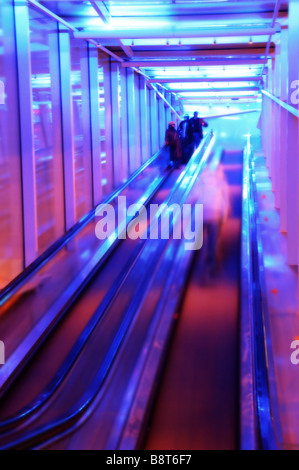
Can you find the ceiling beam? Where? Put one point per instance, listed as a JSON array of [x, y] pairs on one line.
[[52, 15], [275, 14], [126, 49], [198, 7], [179, 53], [194, 63], [209, 98], [101, 10], [205, 80], [227, 18], [215, 90], [218, 102], [176, 31], [246, 111]]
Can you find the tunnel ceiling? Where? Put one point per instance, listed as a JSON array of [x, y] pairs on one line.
[[196, 49]]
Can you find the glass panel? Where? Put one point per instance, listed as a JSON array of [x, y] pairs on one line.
[[47, 129], [148, 110], [123, 166], [159, 117], [81, 127], [103, 129], [123, 125], [137, 122], [11, 234], [167, 117], [156, 124]]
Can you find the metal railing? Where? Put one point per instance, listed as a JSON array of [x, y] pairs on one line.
[[257, 424]]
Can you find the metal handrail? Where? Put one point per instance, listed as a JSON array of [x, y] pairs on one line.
[[265, 432], [282, 104]]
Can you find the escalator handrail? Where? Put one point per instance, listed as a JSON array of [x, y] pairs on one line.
[[266, 430]]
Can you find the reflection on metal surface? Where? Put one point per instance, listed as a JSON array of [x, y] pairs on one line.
[[258, 395], [2, 353], [248, 425]]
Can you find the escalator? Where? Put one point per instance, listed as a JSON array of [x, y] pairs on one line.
[[77, 383]]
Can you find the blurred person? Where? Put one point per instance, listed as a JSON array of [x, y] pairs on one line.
[[212, 191], [172, 141], [197, 125], [186, 136]]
